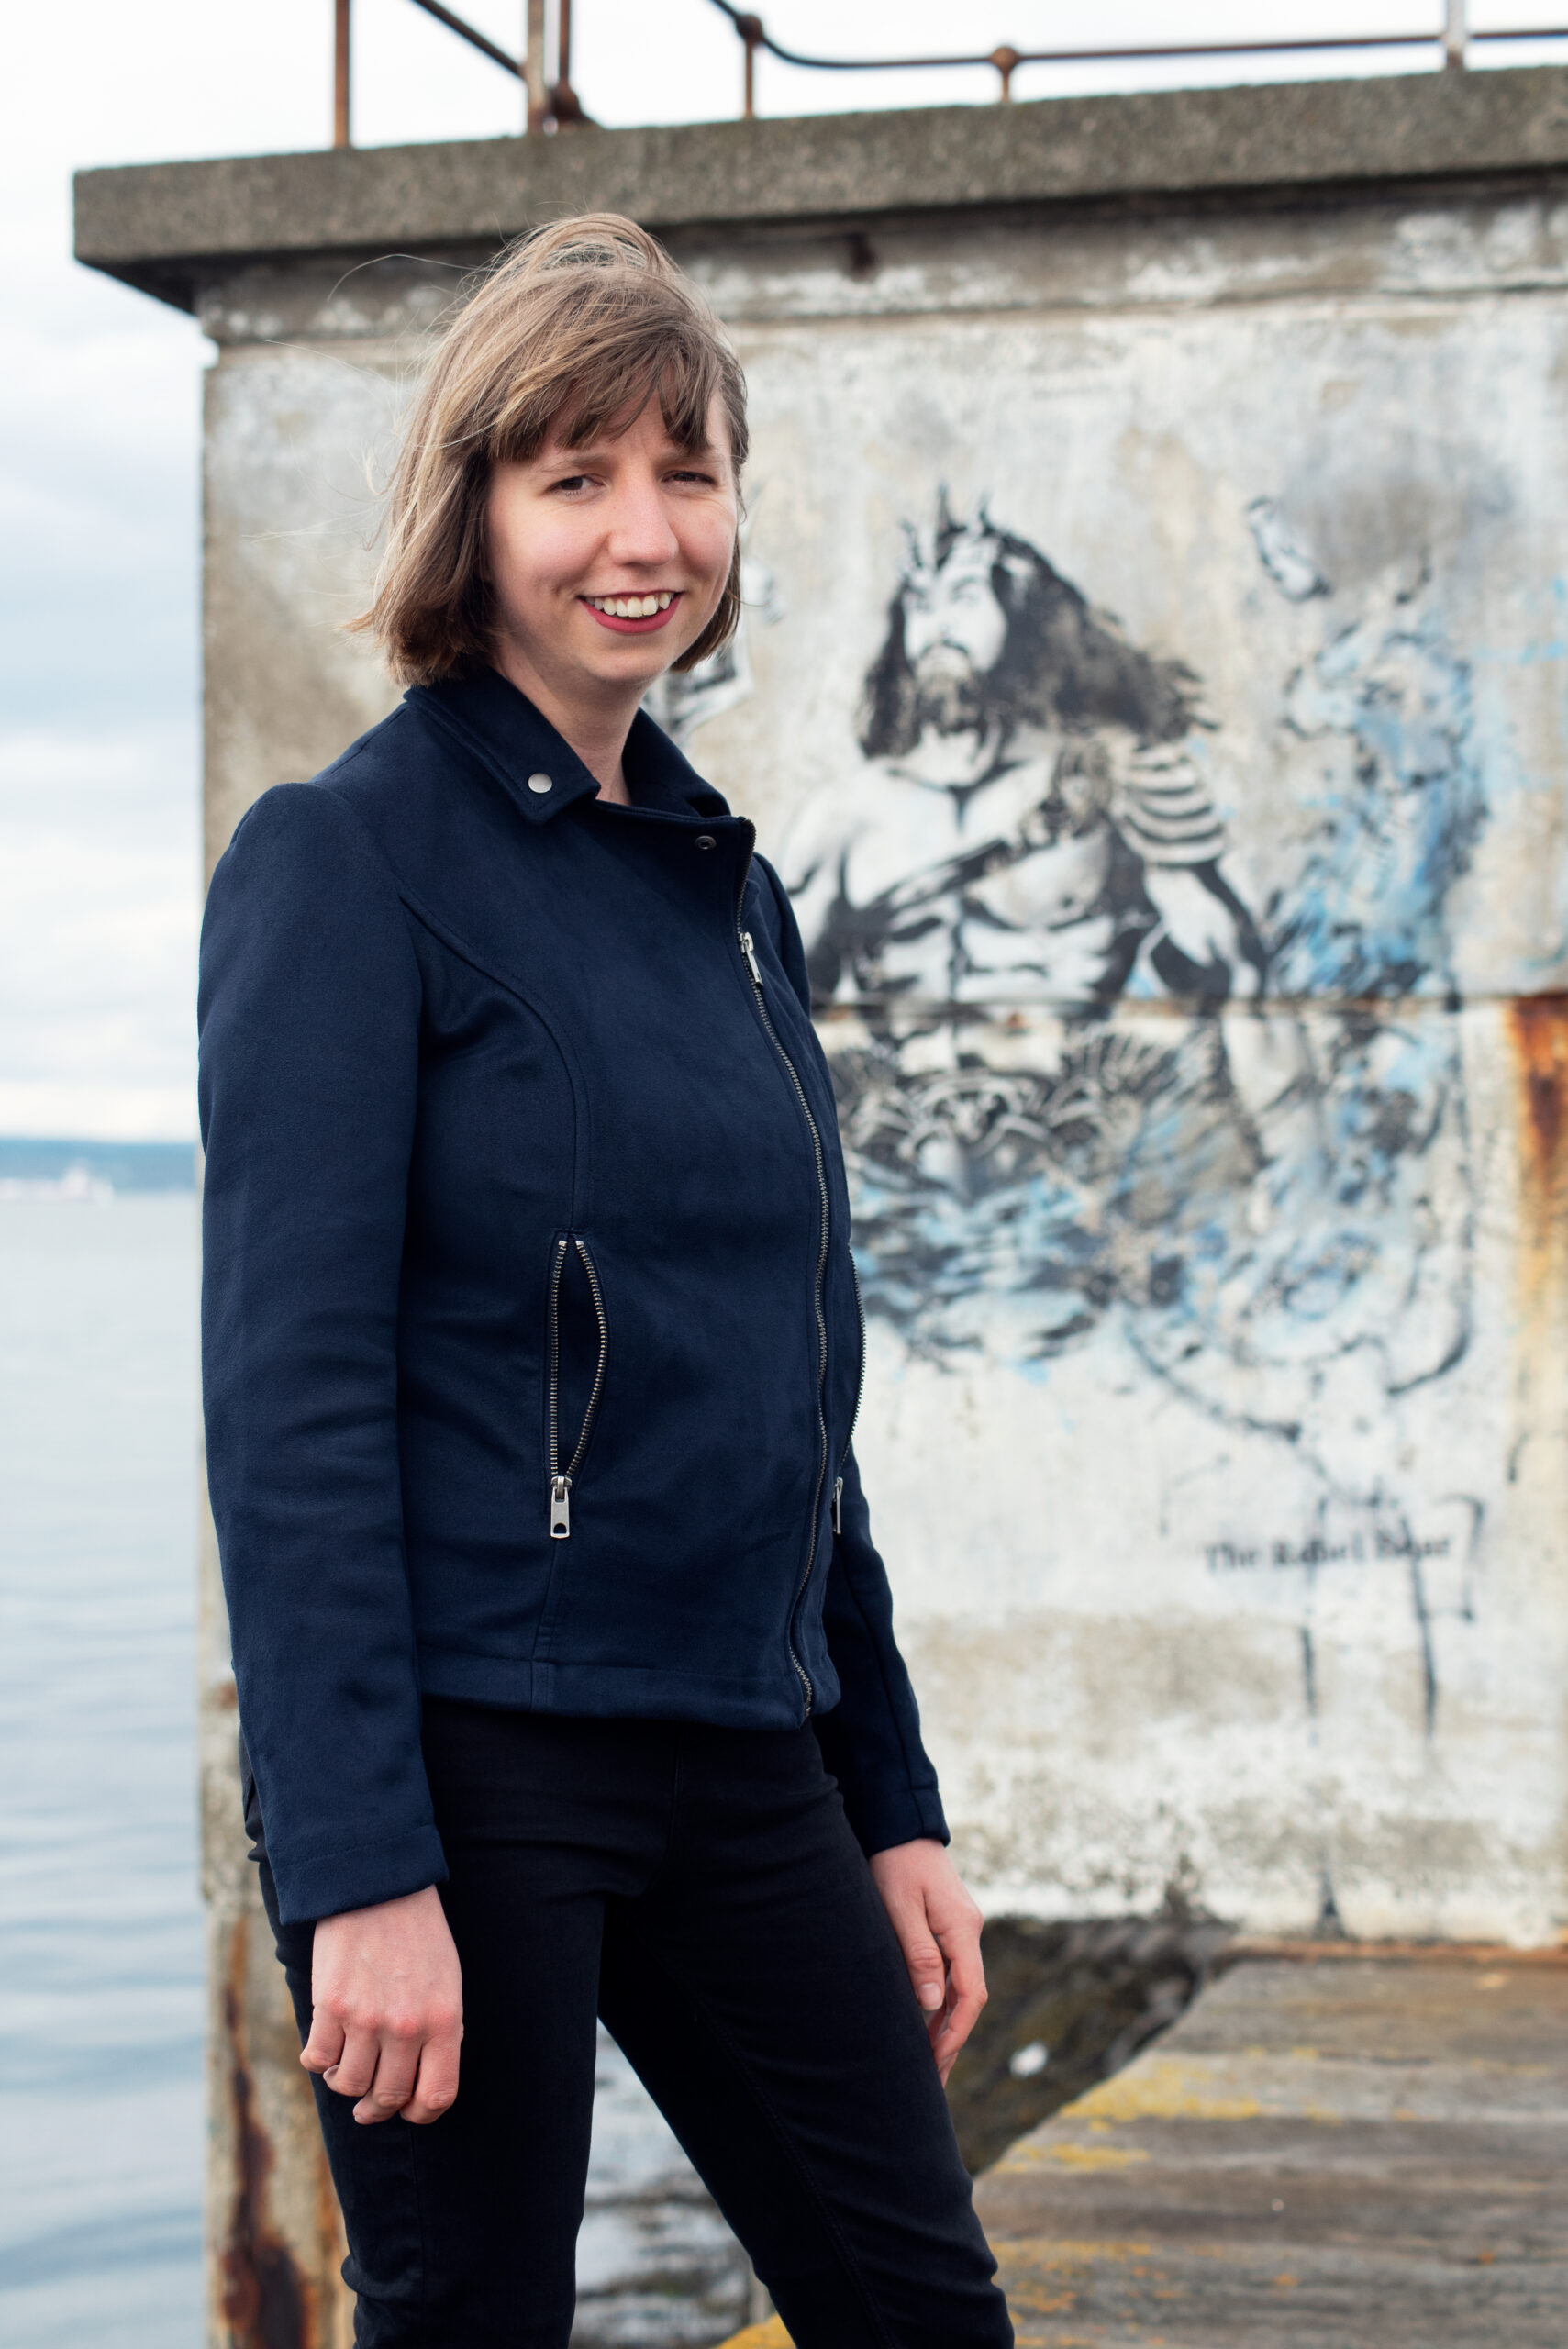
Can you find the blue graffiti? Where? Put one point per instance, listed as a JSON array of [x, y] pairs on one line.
[[1225, 1128]]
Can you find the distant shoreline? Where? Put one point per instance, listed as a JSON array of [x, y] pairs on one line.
[[48, 1169]]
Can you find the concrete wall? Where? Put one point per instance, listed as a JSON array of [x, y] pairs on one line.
[[1153, 690]]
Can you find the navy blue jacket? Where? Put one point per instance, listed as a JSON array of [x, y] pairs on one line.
[[531, 1340]]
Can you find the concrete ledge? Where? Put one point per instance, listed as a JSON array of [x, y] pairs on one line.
[[1356, 2143], [1365, 2150], [167, 228]]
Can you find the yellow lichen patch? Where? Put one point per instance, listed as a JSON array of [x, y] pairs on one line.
[[1096, 2156], [1067, 2251], [1162, 2089]]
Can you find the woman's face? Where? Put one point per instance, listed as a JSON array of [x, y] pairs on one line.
[[608, 561]]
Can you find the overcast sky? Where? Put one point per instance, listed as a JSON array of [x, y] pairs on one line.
[[100, 393]]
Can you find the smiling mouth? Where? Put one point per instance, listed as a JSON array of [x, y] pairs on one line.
[[634, 615]]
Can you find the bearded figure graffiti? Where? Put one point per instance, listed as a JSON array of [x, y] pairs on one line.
[[1082, 1079], [1032, 820]]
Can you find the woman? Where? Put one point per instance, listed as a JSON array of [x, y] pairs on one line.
[[566, 1667]]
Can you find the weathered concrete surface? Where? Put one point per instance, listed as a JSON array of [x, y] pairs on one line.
[[1153, 690], [168, 227], [1353, 2152], [1218, 1414], [273, 2234], [1337, 2155]]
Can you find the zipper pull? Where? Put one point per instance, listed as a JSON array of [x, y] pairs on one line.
[[751, 962], [839, 1505], [559, 1509]]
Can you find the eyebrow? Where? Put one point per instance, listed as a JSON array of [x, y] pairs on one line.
[[704, 450]]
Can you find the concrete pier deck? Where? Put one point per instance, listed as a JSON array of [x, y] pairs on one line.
[[1349, 2152]]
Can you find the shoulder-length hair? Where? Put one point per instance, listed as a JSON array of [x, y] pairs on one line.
[[571, 328]]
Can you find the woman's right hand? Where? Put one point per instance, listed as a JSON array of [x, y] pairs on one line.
[[386, 2008]]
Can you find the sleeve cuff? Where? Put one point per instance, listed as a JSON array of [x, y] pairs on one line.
[[357, 1878], [883, 1817]]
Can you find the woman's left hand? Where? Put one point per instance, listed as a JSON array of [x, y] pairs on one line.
[[937, 1927]]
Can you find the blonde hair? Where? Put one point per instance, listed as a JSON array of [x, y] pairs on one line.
[[571, 327]]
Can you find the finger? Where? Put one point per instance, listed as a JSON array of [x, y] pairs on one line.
[[957, 2024], [967, 1997], [928, 1968], [355, 2069], [435, 2090], [392, 2086], [325, 2045]]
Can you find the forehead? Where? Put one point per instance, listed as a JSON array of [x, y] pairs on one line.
[[967, 561], [637, 427], [966, 565]]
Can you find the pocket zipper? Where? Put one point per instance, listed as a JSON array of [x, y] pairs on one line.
[[854, 1415], [560, 1478]]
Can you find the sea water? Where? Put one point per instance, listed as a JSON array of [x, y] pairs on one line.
[[101, 2002], [100, 1925]]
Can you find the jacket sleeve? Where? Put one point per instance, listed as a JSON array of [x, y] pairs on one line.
[[870, 1739], [309, 1023]]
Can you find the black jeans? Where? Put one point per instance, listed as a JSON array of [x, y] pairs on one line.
[[698, 1888]]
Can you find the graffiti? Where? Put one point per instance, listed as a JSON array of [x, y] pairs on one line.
[[1088, 1082]]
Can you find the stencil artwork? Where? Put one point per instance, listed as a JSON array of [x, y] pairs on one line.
[[1084, 1076]]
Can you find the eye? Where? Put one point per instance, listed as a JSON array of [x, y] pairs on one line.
[[695, 473], [572, 483]]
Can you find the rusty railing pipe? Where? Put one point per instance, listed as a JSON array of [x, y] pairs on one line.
[[1455, 34], [1454, 37], [469, 33], [533, 65], [340, 62]]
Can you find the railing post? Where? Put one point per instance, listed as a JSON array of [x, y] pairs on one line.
[[1455, 34], [341, 75], [750, 31], [534, 68], [1006, 62]]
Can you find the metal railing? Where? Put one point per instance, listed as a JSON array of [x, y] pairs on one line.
[[553, 105]]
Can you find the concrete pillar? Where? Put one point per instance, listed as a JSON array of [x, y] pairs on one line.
[[1271, 381]]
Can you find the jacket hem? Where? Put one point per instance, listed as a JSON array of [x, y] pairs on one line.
[[611, 1691]]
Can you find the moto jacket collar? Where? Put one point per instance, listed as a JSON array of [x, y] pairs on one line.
[[502, 728]]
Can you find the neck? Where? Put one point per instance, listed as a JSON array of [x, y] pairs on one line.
[[596, 730]]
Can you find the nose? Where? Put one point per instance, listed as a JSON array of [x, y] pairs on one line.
[[640, 534]]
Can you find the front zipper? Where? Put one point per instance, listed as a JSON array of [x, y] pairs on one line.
[[754, 969], [560, 1478], [854, 1415]]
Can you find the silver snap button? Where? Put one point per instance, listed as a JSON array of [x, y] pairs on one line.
[[705, 839], [541, 783]]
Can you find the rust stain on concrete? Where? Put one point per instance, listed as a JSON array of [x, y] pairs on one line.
[[1539, 1025], [266, 2302]]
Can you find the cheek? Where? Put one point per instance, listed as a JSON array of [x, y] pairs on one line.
[[534, 558], [708, 544]]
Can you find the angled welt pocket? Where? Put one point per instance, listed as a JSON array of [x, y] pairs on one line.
[[576, 1360]]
